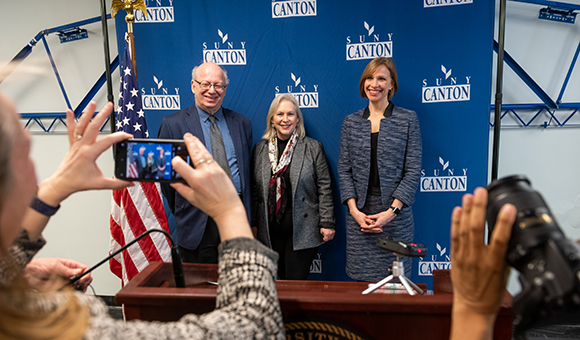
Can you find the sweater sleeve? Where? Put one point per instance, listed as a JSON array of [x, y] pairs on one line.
[[23, 250], [20, 254], [345, 179], [247, 305]]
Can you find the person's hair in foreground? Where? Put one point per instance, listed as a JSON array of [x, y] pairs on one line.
[[71, 319], [248, 308]]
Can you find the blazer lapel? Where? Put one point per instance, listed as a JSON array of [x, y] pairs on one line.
[[235, 133], [296, 165], [193, 123], [389, 132], [234, 128], [265, 169], [364, 136], [388, 135]]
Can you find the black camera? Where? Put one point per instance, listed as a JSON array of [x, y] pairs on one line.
[[548, 263]]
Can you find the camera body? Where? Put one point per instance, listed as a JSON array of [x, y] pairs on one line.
[[401, 248], [548, 263]]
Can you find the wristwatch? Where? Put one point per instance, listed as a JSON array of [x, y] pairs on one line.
[[395, 210]]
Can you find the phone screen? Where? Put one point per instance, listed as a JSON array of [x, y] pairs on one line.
[[149, 160]]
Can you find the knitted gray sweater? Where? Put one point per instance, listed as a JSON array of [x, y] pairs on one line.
[[246, 307]]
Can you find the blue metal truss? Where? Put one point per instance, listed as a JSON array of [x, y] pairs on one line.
[[37, 118], [556, 4], [522, 112], [61, 116], [528, 115]]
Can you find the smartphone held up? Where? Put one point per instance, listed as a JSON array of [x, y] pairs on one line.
[[149, 160]]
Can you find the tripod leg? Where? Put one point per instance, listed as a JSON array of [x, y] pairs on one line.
[[406, 284], [419, 290], [378, 285]]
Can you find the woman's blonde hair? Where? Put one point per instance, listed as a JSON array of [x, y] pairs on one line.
[[270, 129], [70, 319]]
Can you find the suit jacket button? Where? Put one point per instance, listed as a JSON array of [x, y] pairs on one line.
[[305, 215], [303, 199]]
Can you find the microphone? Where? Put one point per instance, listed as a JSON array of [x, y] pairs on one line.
[[175, 258], [177, 266]]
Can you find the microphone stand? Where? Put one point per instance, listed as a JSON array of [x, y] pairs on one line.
[[176, 259]]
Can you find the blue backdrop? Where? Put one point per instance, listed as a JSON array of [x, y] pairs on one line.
[[318, 50]]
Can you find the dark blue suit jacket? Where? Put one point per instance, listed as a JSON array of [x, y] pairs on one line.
[[190, 222]]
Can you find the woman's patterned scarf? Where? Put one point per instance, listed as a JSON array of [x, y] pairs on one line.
[[276, 197]]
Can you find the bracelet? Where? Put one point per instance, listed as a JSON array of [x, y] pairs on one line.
[[43, 208]]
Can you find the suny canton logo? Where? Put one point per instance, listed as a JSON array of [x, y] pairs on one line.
[[301, 8], [441, 261], [316, 265], [157, 11], [437, 3], [440, 183], [159, 98], [449, 92], [371, 49], [226, 56], [305, 99]]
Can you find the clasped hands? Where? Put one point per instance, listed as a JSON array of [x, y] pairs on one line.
[[373, 223]]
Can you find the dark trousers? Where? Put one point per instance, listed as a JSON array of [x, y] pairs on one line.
[[207, 251], [292, 264]]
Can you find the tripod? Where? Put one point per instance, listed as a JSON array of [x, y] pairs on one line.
[[398, 273]]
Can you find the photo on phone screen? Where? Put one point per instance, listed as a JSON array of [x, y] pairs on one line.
[[149, 160]]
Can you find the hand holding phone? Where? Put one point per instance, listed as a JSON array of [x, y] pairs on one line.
[[149, 160]]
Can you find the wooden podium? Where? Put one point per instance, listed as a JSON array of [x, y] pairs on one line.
[[311, 309]]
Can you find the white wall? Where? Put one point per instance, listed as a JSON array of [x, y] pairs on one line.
[[549, 157], [81, 228]]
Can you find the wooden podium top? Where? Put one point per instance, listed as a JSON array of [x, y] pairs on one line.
[[307, 306]]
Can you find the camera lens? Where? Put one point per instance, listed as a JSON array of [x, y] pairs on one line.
[[534, 223], [548, 263]]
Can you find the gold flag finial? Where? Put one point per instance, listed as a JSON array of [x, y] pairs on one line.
[[128, 6]]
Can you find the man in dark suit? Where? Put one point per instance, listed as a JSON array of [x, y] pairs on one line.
[[141, 163], [228, 136]]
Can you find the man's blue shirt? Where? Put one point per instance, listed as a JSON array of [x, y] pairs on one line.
[[228, 143]]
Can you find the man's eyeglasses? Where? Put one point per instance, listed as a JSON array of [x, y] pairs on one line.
[[206, 86]]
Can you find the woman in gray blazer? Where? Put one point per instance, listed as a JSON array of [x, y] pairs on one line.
[[292, 208], [379, 170]]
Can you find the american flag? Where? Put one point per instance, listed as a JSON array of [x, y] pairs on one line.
[[139, 208]]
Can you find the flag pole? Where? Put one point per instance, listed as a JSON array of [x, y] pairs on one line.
[[131, 119], [132, 47], [129, 6], [110, 96]]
